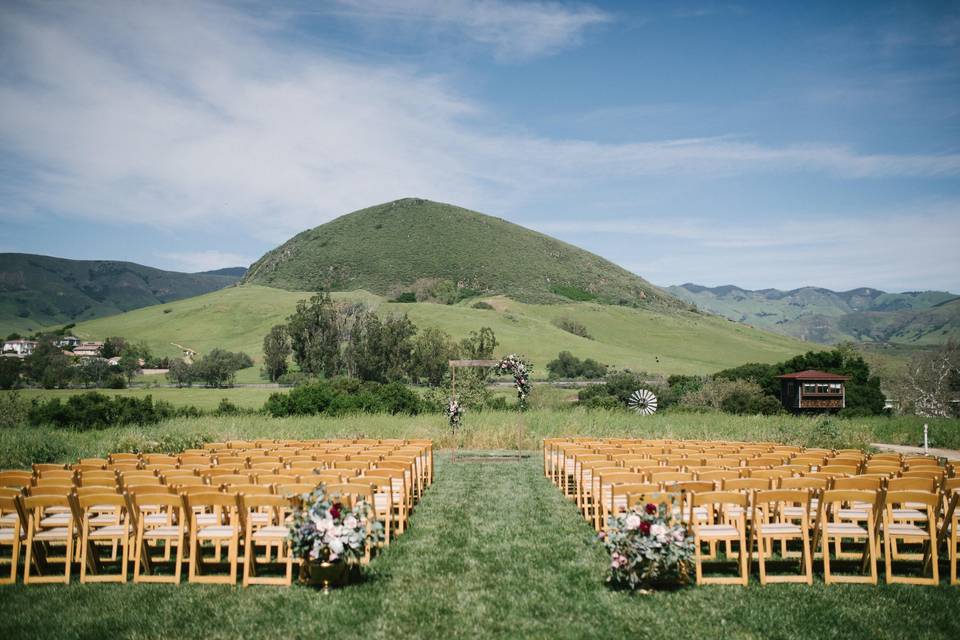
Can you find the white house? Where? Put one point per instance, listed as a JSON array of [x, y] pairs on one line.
[[68, 341], [22, 348]]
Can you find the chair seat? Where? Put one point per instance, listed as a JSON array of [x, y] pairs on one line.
[[155, 519], [103, 518], [271, 533], [219, 531], [52, 535], [8, 535], [780, 529], [8, 519], [206, 519], [58, 520], [844, 529], [797, 512], [167, 531], [112, 531], [258, 517], [905, 529], [854, 514], [909, 514], [714, 531]]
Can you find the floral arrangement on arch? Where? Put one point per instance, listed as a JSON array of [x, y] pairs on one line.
[[520, 369], [646, 550], [454, 413], [326, 530]]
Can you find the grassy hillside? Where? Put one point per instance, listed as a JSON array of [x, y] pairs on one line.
[[388, 248], [683, 342], [822, 315], [40, 291]]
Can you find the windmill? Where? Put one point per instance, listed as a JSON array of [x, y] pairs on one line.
[[643, 402]]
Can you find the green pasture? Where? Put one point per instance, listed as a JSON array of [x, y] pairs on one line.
[[493, 551], [237, 318]]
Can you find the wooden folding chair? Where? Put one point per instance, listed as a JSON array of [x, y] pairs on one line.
[[225, 531], [160, 521], [895, 529], [721, 525], [772, 522], [16, 479], [11, 533], [950, 534], [114, 530], [270, 532], [836, 521], [40, 537]]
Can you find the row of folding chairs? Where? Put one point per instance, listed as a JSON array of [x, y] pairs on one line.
[[900, 527], [52, 506], [603, 477], [572, 466]]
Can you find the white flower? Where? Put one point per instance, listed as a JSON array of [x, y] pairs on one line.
[[659, 532], [633, 521], [336, 546], [350, 522]]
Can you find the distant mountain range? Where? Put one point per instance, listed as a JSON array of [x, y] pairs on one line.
[[41, 291], [825, 316]]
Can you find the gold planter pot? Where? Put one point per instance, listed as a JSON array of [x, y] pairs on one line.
[[324, 574]]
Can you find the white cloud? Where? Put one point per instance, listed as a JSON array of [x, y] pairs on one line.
[[194, 116], [205, 260], [512, 29]]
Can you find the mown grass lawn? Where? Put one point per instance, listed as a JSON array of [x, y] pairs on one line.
[[494, 551]]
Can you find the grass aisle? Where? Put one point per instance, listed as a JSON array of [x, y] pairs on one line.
[[494, 551]]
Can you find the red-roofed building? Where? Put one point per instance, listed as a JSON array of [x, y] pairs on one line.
[[812, 390]]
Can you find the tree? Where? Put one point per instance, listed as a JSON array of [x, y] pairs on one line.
[[480, 344], [9, 372], [48, 366], [94, 371], [181, 373], [932, 381], [364, 354], [219, 367], [276, 350], [398, 332], [433, 349], [113, 347], [314, 332]]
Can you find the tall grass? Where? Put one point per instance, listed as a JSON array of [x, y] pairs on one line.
[[487, 430]]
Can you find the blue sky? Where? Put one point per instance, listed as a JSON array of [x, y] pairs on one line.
[[760, 144]]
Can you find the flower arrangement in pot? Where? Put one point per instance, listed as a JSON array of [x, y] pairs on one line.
[[328, 534], [647, 550]]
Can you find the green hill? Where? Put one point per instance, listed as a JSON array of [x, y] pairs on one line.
[[678, 341], [411, 244], [41, 291], [825, 316]]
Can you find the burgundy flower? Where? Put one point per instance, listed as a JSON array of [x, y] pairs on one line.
[[335, 510], [651, 508], [644, 528]]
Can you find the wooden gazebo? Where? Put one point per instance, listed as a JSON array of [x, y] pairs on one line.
[[813, 390]]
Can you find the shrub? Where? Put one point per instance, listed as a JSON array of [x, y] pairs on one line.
[[482, 304], [406, 297], [226, 408], [732, 396], [94, 410], [572, 326], [566, 365], [343, 396], [116, 381], [572, 292], [14, 410]]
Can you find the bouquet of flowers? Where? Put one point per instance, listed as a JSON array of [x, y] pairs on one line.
[[326, 530], [520, 370], [454, 413], [646, 550]]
